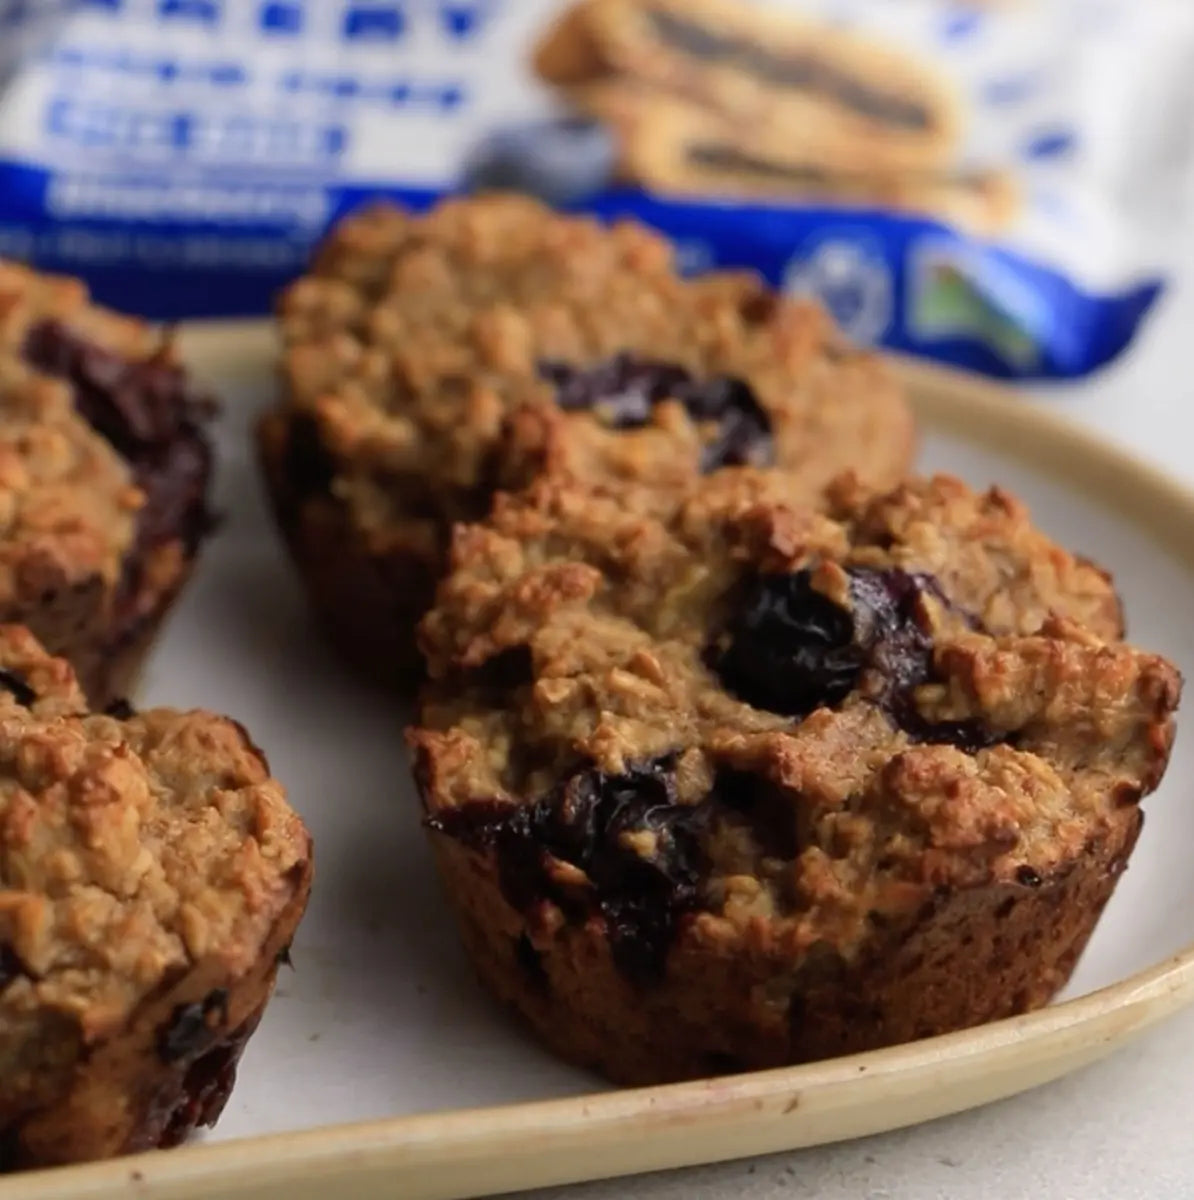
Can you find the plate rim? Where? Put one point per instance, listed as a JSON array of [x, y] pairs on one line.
[[456, 1153]]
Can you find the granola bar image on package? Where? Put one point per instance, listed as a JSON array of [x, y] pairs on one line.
[[860, 101]]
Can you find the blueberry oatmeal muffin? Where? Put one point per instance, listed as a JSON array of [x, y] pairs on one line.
[[430, 361], [104, 471], [720, 783], [151, 876]]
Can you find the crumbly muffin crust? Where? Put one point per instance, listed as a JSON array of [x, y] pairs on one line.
[[151, 873], [721, 783], [430, 360], [104, 470]]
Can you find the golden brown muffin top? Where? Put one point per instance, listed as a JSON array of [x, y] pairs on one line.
[[442, 355], [756, 713], [132, 848]]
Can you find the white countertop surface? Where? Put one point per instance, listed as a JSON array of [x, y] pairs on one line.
[[1116, 1131]]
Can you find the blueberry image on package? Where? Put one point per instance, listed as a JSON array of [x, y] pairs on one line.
[[559, 162]]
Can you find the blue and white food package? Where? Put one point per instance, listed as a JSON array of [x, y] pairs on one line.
[[996, 183]]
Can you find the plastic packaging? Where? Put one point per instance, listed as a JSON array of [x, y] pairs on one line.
[[992, 183]]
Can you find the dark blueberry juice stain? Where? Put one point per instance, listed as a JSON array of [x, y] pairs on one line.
[[531, 962], [789, 649], [308, 468], [191, 1027], [202, 1093], [205, 1091], [767, 808], [11, 966], [15, 683], [584, 821], [152, 417], [625, 389]]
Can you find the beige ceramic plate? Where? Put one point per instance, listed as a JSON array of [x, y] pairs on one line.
[[381, 1069]]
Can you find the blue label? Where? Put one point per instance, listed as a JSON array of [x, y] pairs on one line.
[[906, 283]]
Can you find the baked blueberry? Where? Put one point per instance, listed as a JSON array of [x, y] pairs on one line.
[[624, 391], [592, 820]]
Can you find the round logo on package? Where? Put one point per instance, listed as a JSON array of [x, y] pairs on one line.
[[850, 277]]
